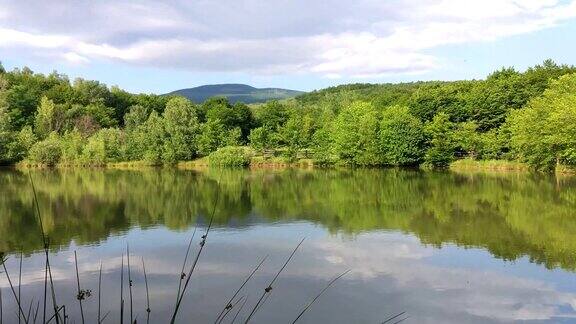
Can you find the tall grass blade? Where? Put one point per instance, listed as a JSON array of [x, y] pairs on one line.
[[45, 292], [1, 308], [36, 313], [401, 320], [231, 308], [388, 320], [147, 293], [268, 289], [100, 293], [20, 285], [129, 283], [104, 317], [319, 294], [229, 303], [30, 309], [239, 310], [182, 274], [54, 316], [122, 291], [46, 243], [202, 244], [80, 295], [13, 290]]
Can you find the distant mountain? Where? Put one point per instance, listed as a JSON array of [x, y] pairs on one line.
[[236, 93]]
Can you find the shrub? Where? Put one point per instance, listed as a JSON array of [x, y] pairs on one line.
[[231, 156], [47, 152]]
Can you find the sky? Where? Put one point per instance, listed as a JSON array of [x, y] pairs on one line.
[[160, 46]]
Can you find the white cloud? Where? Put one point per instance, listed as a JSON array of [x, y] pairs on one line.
[[365, 39]]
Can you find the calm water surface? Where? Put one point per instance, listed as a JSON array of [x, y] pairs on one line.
[[444, 247]]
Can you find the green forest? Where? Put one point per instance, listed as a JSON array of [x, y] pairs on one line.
[[522, 116]]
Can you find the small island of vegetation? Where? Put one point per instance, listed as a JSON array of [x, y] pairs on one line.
[[510, 120]]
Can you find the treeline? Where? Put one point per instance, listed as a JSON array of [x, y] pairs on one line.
[[525, 116]]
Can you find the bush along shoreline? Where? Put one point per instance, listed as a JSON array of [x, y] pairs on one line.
[[523, 120]]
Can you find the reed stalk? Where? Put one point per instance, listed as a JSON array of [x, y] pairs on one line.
[[182, 274], [390, 319], [228, 305], [1, 308], [30, 309], [21, 312], [147, 293], [46, 243], [318, 295], [269, 288], [202, 244], [36, 312], [239, 310], [122, 291], [80, 296], [99, 293], [231, 308], [20, 285], [129, 283]]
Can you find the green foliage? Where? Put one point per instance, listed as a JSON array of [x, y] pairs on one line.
[[182, 130], [401, 137], [23, 141], [72, 144], [46, 152], [231, 156], [152, 135], [215, 135], [322, 146], [442, 143], [272, 115], [260, 139], [355, 133], [357, 124], [44, 119], [135, 117], [105, 146], [544, 133]]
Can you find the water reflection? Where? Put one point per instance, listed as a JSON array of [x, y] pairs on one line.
[[384, 225]]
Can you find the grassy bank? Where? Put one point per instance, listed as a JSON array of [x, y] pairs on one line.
[[489, 165]]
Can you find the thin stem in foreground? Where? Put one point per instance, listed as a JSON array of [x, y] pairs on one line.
[[319, 294], [182, 274], [20, 285], [45, 292], [36, 313], [122, 291], [229, 303], [239, 310], [231, 308], [129, 283], [202, 244], [46, 244], [1, 308], [100, 293], [147, 293], [389, 319], [80, 295], [268, 289], [30, 309], [13, 291]]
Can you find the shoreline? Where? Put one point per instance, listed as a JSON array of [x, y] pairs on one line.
[[464, 165]]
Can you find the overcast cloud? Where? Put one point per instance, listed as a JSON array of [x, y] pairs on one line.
[[331, 38]]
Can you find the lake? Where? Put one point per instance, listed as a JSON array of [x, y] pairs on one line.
[[443, 247]]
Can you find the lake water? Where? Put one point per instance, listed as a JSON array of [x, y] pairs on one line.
[[442, 247]]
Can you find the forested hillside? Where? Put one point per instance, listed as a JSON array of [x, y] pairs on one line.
[[235, 93], [527, 116]]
